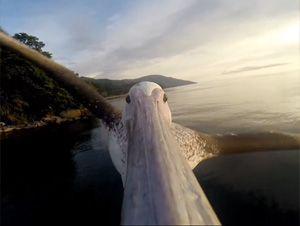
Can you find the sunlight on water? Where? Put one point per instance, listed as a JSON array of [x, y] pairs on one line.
[[235, 105]]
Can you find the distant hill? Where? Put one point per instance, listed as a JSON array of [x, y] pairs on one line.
[[109, 87]]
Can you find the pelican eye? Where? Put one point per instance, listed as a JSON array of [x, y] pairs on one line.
[[165, 98], [128, 100]]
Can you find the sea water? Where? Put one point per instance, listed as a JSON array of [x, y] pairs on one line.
[[63, 173]]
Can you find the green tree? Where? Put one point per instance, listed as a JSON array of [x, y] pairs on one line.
[[33, 42]]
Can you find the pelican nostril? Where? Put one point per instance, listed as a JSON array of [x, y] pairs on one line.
[[165, 98], [128, 100]]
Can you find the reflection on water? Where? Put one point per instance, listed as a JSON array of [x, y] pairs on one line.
[[60, 173], [63, 173], [251, 104]]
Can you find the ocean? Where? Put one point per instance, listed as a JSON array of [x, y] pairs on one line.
[[63, 173]]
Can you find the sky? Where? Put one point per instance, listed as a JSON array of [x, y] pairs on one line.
[[187, 39]]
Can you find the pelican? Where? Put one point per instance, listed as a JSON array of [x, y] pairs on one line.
[[153, 155]]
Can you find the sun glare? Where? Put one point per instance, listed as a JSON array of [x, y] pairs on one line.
[[290, 34]]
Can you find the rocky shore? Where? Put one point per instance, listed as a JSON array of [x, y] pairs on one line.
[[64, 116]]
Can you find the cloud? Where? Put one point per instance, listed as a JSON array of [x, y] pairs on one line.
[[251, 68], [156, 35], [187, 38]]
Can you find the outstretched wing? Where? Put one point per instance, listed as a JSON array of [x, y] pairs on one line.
[[198, 146], [264, 141]]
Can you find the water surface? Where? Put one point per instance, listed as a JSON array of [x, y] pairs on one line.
[[63, 173]]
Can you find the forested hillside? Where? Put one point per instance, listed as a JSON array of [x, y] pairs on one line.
[[27, 92]]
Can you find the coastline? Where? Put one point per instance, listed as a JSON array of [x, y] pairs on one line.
[[65, 116], [10, 128]]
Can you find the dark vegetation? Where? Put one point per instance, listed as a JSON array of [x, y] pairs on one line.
[[33, 42], [29, 94]]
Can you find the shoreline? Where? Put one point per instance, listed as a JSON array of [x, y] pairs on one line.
[[53, 119], [65, 117]]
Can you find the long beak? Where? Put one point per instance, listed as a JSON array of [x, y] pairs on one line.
[[160, 187]]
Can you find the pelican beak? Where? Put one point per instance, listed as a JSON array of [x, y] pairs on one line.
[[160, 187]]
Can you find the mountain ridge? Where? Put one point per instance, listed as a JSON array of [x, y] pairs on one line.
[[109, 87]]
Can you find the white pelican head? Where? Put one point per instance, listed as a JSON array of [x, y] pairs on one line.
[[149, 98], [160, 187]]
